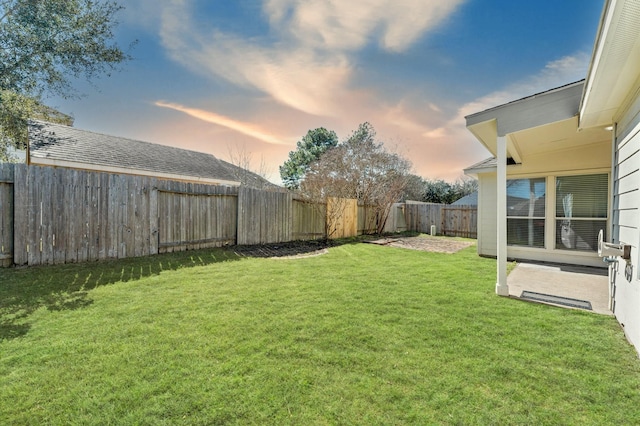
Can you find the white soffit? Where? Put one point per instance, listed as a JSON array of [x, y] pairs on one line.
[[615, 65], [539, 110]]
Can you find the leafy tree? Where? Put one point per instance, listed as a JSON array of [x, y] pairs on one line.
[[15, 110], [308, 150], [415, 188], [44, 45], [359, 168], [464, 187], [439, 191]]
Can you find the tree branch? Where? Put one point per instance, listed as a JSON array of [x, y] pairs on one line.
[[7, 13]]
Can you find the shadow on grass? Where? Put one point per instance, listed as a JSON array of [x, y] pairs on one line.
[[23, 290]]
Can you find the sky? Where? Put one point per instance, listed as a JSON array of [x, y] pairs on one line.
[[249, 78]]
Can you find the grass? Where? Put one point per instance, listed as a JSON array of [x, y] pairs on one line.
[[361, 335]]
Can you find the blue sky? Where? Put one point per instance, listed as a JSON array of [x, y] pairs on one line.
[[254, 76]]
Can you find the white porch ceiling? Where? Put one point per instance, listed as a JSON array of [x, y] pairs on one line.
[[545, 123], [613, 72]]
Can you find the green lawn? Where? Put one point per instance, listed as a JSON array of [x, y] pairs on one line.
[[362, 335]]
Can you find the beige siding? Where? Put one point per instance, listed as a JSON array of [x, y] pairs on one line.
[[487, 226], [593, 158]]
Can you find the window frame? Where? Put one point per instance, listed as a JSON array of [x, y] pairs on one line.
[[543, 218], [550, 179], [558, 219]]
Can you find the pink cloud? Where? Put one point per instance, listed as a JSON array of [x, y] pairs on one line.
[[211, 117]]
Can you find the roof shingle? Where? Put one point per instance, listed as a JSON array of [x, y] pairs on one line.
[[56, 142]]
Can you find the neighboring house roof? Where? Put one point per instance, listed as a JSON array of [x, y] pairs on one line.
[[484, 166], [251, 179], [489, 164], [467, 200], [59, 145]]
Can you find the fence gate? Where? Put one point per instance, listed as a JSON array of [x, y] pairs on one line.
[[188, 220], [342, 217], [6, 214], [460, 221]]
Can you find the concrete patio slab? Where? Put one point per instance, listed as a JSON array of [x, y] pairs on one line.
[[575, 282]]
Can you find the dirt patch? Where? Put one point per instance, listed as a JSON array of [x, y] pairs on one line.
[[301, 249], [425, 243]]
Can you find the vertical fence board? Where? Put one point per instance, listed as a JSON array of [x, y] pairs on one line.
[[33, 215], [70, 209], [111, 242], [7, 176], [58, 201], [83, 208], [154, 201], [46, 216], [137, 200], [103, 214], [20, 216]]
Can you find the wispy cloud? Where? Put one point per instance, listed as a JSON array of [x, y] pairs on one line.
[[308, 64], [349, 25], [555, 74], [211, 117]]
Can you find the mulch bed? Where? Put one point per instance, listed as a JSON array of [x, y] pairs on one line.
[[283, 250], [298, 249]]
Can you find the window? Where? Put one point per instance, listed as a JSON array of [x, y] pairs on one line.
[[526, 212], [581, 211]]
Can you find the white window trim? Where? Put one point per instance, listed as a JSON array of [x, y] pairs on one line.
[[550, 212]]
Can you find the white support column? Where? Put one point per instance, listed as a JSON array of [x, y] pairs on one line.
[[502, 288]]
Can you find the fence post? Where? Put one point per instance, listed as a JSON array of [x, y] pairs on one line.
[[6, 213]]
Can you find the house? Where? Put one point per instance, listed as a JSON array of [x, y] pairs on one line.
[[59, 145], [467, 200], [566, 165]]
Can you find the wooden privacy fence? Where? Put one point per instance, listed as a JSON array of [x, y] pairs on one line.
[[66, 215], [449, 220], [57, 215]]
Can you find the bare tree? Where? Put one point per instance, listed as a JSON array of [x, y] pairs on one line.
[[241, 161], [359, 168]]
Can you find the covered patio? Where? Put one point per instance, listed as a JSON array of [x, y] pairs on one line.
[[566, 284], [547, 181]]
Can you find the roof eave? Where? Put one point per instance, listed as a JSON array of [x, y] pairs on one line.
[[614, 63], [541, 109]]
